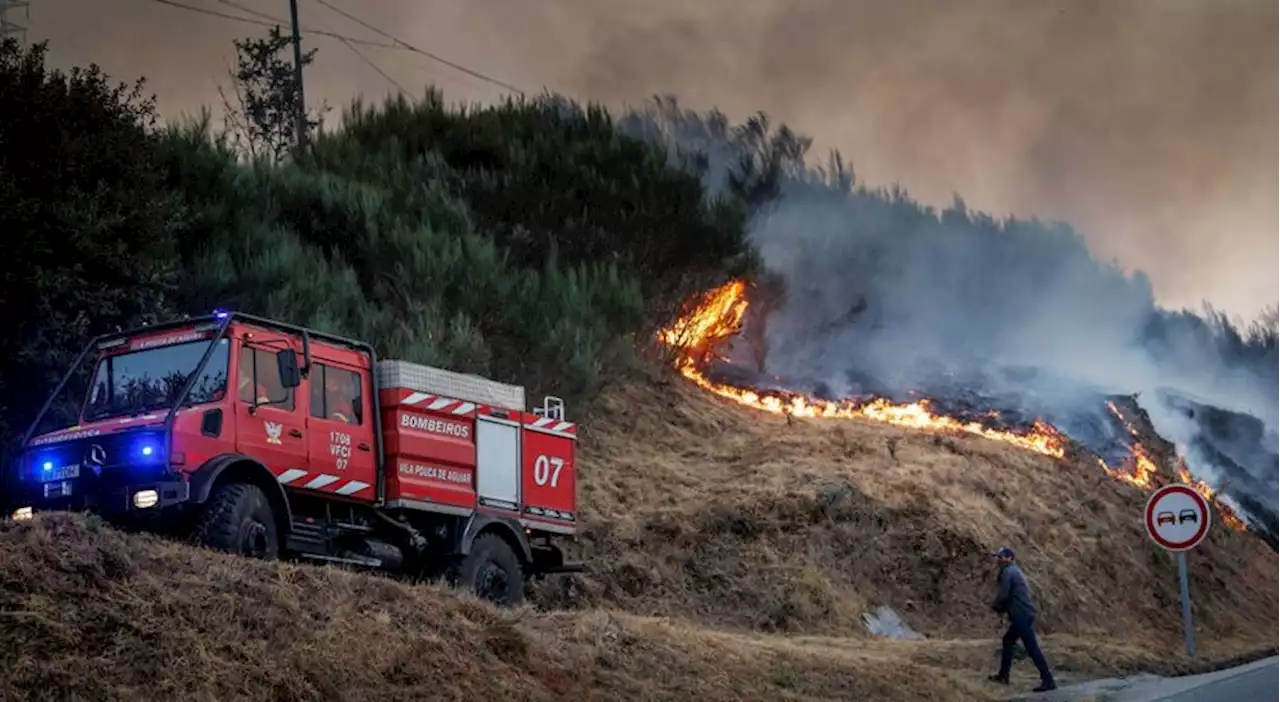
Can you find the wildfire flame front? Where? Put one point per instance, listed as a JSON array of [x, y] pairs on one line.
[[717, 317]]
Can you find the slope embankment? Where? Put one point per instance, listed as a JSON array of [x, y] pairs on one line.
[[732, 557], [89, 613], [699, 509]]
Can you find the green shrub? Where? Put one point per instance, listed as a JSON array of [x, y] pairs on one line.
[[87, 224], [525, 241]]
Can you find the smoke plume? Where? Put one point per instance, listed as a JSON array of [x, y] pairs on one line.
[[1149, 125], [888, 297]]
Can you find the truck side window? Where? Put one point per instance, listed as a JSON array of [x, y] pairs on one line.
[[260, 379], [336, 394]]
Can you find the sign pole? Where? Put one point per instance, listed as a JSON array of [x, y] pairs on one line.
[[1187, 629], [1177, 519]]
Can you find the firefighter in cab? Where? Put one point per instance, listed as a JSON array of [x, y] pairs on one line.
[[340, 398]]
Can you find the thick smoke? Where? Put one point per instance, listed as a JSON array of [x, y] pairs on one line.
[[885, 296], [1149, 125]]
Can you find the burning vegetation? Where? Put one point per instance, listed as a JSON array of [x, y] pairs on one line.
[[710, 323]]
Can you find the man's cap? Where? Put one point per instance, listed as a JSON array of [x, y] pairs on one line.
[[1003, 552]]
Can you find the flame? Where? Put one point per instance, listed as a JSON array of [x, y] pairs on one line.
[[1133, 431], [719, 315], [1139, 469], [1228, 515], [1142, 469]]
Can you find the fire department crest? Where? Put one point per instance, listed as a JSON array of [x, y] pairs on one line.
[[273, 432]]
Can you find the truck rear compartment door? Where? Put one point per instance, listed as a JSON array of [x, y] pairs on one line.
[[498, 463]]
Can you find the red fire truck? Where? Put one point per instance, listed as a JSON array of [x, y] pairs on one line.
[[266, 439]]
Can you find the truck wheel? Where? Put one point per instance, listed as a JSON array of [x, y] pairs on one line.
[[238, 519], [492, 571]]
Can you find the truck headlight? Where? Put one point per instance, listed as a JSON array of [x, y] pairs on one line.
[[145, 499]]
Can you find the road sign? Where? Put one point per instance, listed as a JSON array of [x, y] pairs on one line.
[[1177, 517]]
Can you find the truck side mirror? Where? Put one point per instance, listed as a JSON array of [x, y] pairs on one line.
[[287, 366]]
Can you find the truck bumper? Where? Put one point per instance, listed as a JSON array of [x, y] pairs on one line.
[[138, 499]]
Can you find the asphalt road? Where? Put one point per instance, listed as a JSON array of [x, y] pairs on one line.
[[1252, 682]]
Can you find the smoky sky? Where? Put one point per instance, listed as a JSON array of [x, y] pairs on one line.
[[1149, 125]]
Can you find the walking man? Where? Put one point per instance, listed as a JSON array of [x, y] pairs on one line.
[[1013, 598]]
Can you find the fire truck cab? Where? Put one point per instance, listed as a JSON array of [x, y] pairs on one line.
[[264, 439]]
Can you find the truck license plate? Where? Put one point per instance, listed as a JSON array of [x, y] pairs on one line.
[[59, 489], [64, 473]]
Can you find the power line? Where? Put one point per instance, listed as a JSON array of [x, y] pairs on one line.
[[262, 19], [250, 10], [274, 23], [400, 43], [346, 41], [373, 65]]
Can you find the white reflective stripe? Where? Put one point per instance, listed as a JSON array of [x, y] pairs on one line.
[[542, 421], [439, 403], [562, 426], [415, 398], [320, 481], [351, 487], [290, 475], [552, 432], [464, 408]]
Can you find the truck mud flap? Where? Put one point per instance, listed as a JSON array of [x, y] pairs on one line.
[[549, 560]]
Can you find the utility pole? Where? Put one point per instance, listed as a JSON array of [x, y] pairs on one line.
[[297, 74], [6, 27]]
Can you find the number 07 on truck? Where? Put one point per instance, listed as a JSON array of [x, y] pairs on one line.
[[261, 438]]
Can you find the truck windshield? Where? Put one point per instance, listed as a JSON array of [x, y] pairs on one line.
[[144, 381]]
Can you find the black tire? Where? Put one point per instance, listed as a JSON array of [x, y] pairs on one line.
[[492, 571], [238, 519]]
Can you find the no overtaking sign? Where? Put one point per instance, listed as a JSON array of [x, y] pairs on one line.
[[1177, 517]]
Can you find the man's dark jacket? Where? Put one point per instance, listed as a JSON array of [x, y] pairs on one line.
[[1013, 597]]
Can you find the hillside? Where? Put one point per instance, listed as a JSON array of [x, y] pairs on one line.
[[698, 509], [712, 531], [168, 622]]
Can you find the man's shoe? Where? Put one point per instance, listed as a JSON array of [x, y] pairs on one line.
[[998, 678], [1045, 687]]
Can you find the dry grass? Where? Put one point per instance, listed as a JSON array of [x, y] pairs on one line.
[[697, 509], [88, 613], [733, 556]]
